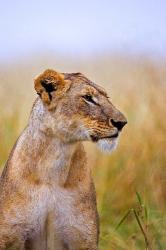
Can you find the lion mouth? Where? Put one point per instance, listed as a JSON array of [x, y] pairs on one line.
[[97, 138], [112, 136]]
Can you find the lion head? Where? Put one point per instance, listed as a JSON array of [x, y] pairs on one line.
[[73, 108]]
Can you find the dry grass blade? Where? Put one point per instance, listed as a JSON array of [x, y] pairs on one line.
[[147, 242], [139, 198], [123, 219]]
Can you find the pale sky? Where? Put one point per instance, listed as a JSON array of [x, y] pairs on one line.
[[85, 27]]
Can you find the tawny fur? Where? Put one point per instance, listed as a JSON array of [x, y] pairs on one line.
[[46, 180]]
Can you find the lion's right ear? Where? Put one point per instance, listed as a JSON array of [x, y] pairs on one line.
[[50, 85]]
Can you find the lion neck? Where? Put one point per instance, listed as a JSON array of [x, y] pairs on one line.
[[44, 159]]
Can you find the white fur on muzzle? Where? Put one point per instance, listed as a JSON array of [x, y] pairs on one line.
[[107, 145]]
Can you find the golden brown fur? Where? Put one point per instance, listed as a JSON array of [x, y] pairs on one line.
[[46, 179]]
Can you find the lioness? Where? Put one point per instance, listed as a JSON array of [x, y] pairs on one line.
[[46, 179]]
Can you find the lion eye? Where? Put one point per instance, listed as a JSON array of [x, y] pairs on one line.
[[89, 98]]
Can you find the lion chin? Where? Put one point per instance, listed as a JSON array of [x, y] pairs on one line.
[[107, 145]]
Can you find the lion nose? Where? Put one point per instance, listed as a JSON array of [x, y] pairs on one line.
[[119, 124]]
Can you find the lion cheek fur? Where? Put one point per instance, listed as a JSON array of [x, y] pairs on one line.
[[107, 145]]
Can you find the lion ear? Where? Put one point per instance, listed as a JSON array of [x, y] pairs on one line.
[[48, 83]]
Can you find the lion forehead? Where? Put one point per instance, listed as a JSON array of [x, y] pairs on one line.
[[80, 78]]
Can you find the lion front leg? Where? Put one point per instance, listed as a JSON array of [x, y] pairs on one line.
[[79, 230], [47, 238], [8, 242]]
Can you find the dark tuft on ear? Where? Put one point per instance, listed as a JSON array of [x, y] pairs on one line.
[[49, 87]]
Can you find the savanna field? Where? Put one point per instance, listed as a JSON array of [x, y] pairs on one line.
[[131, 182]]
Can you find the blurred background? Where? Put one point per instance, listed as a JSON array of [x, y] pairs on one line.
[[120, 45]]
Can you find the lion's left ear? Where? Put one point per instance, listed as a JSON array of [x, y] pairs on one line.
[[50, 85]]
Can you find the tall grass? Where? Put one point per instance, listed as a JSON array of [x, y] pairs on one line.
[[130, 183]]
